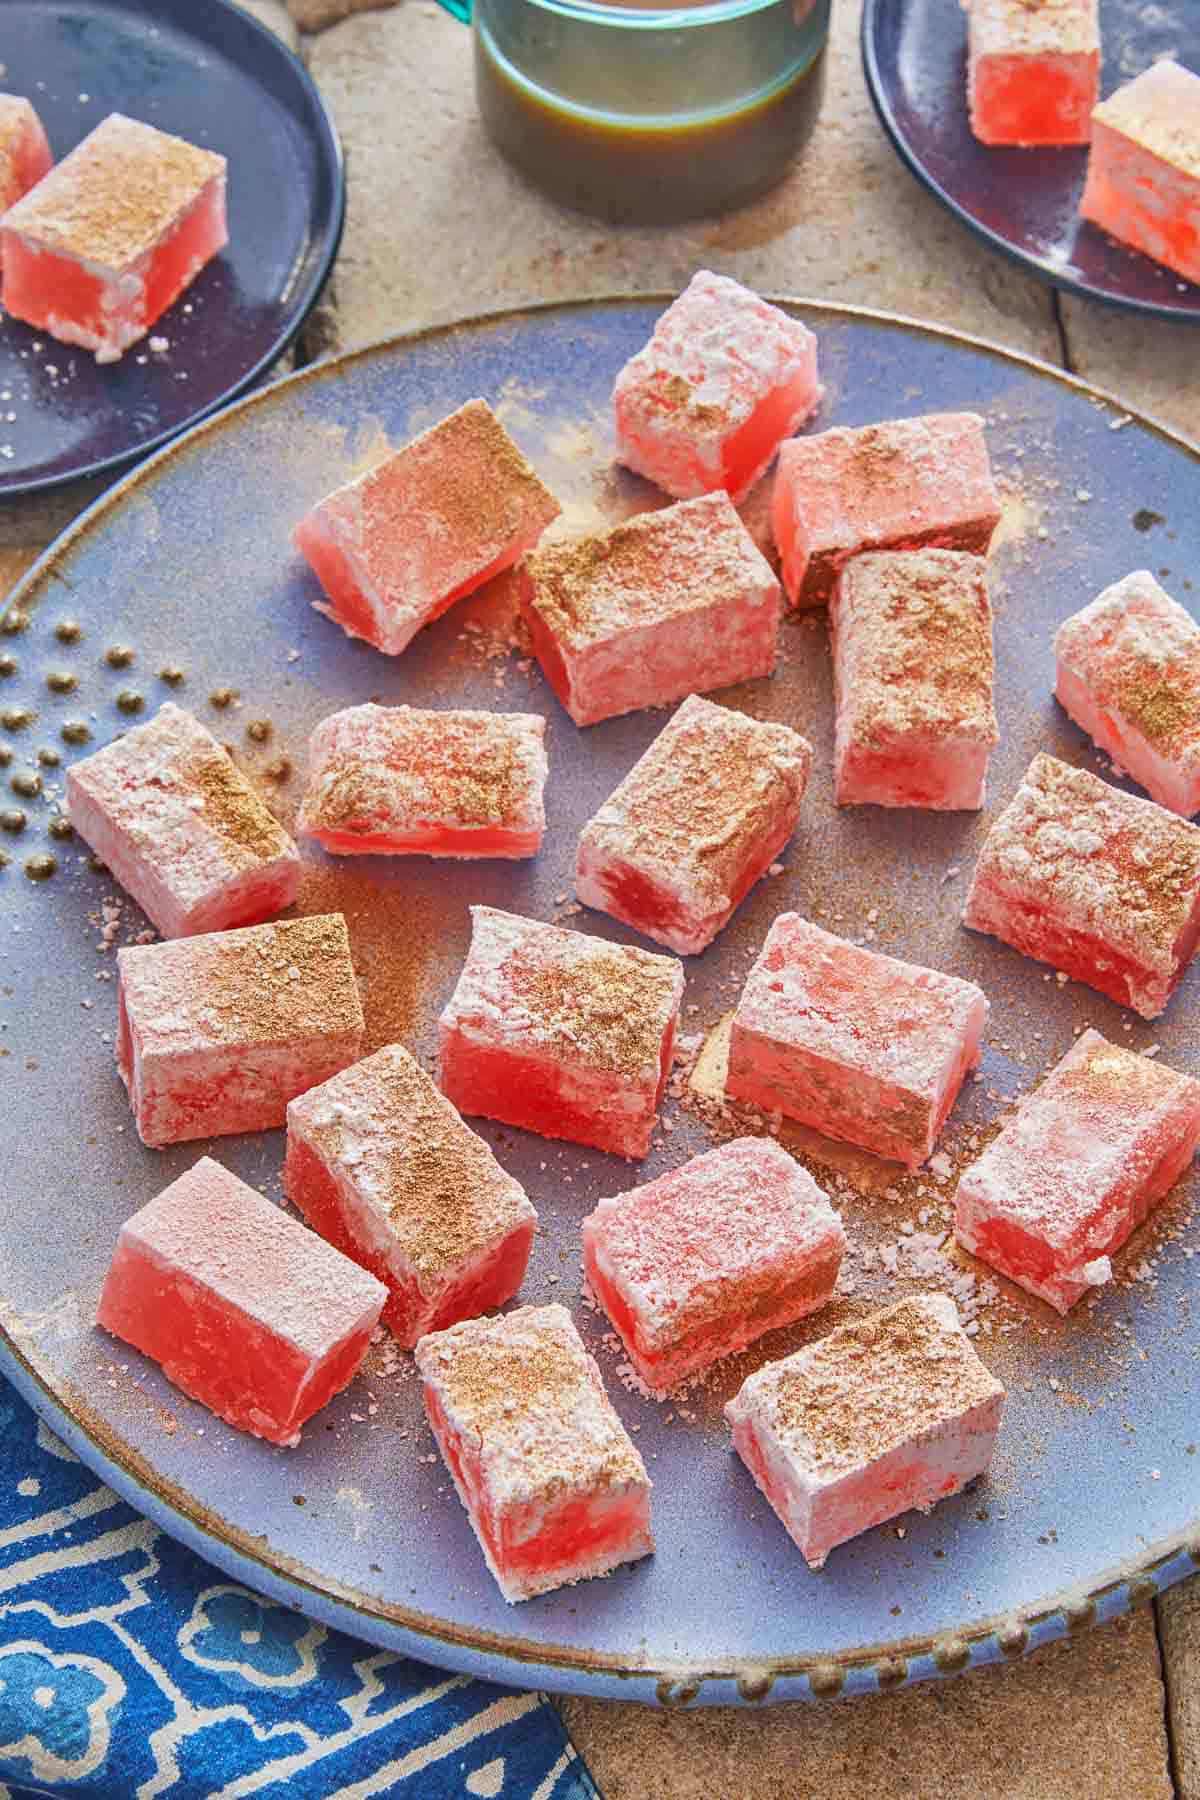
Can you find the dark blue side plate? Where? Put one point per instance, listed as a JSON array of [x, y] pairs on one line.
[[1094, 1498], [1023, 202], [206, 71]]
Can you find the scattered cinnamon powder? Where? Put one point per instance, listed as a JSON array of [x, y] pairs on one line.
[[234, 808], [397, 949]]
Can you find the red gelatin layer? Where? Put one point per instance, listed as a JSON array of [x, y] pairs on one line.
[[552, 1484], [394, 781], [97, 252], [669, 603], [217, 1033], [854, 1044], [1143, 179], [567, 1035], [724, 379], [1078, 1168], [1100, 884], [24, 152], [895, 486], [397, 546], [698, 1264], [169, 812], [1033, 72], [247, 1312], [889, 1413], [694, 824], [380, 1162], [913, 670]]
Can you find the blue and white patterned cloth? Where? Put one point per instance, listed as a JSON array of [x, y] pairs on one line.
[[131, 1670]]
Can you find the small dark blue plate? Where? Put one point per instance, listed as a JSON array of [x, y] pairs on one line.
[[211, 74], [1023, 202]]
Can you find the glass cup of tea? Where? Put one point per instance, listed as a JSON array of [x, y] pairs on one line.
[[643, 112]]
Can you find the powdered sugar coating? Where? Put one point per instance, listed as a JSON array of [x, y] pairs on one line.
[[399, 779], [718, 357], [24, 152], [1143, 176], [1159, 110], [182, 828], [1034, 27], [1102, 884], [1078, 1167], [700, 816], [1128, 672]]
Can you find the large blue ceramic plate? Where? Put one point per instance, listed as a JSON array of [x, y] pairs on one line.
[[210, 73], [1022, 202], [1093, 1500]]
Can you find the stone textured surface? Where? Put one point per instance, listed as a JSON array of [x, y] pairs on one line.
[[315, 15], [439, 227], [1149, 362], [275, 16], [1179, 1629], [1080, 1720]]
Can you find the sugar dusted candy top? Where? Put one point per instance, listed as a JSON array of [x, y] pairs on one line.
[[263, 984], [1138, 651], [1101, 860], [377, 765], [648, 570], [709, 785], [871, 1387], [525, 1391], [1034, 27], [559, 993], [112, 198], [918, 636], [1160, 110], [427, 1174]]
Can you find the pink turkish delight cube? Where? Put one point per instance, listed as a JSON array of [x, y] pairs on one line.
[[1102, 885], [1078, 1168], [1033, 71], [667, 604], [24, 152], [1128, 672], [382, 1164], [897, 486], [913, 671], [680, 843], [698, 1264], [182, 829], [217, 1033], [854, 1044], [249, 1313], [552, 1484], [396, 781], [97, 252], [890, 1413], [435, 520], [566, 1035], [1143, 178], [723, 380]]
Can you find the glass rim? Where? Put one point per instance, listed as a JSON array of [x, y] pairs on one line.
[[656, 17]]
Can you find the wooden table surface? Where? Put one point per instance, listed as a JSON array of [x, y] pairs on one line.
[[438, 228]]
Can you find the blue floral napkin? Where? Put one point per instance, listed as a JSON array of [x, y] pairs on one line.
[[131, 1670]]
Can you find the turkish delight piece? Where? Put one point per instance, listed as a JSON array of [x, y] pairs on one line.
[[182, 829], [382, 1164], [723, 380], [24, 152], [913, 671], [1143, 178], [694, 824], [892, 1412], [552, 1484], [97, 252], [435, 520], [1078, 1168], [396, 781], [249, 1313], [667, 604], [1033, 70], [566, 1035], [1102, 885], [1128, 672], [854, 1044], [217, 1033], [895, 486], [698, 1264]]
